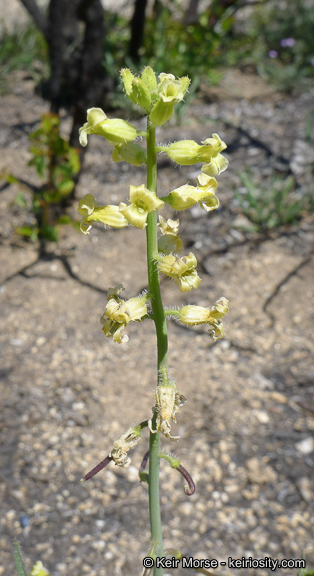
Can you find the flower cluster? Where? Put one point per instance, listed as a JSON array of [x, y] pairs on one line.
[[157, 97], [142, 201]]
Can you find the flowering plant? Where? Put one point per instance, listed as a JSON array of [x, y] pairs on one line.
[[157, 98]]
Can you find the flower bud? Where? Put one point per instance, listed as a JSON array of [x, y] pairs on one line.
[[132, 153], [116, 131], [135, 89], [142, 201], [149, 78]]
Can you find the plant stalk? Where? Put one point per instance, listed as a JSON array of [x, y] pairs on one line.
[[162, 346]]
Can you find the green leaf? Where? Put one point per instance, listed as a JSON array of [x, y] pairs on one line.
[[50, 233], [10, 178], [20, 200], [28, 231], [305, 572], [74, 160], [65, 219], [52, 196], [66, 187], [39, 165]]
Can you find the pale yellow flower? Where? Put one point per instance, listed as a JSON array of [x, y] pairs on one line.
[[195, 315], [188, 152], [215, 166], [169, 92], [169, 226], [186, 196], [182, 270], [91, 212], [119, 313], [39, 570], [142, 201], [116, 131]]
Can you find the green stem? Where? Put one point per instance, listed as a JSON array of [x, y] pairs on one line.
[[162, 346]]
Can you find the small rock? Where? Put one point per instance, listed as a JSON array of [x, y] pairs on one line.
[[258, 536], [98, 545], [251, 494], [277, 397], [262, 382], [76, 538], [186, 508], [306, 488], [10, 515], [305, 446], [259, 472], [261, 416]]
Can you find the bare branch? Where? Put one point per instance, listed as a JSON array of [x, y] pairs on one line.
[[37, 15]]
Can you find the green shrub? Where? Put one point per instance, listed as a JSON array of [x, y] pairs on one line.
[[284, 49], [56, 162], [22, 49], [274, 204]]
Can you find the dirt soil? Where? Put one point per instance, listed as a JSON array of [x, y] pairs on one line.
[[247, 429]]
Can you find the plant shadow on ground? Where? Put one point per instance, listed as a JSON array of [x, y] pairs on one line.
[[247, 428]]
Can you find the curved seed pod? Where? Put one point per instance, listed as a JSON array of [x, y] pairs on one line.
[[190, 488], [97, 469], [144, 462], [175, 463]]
